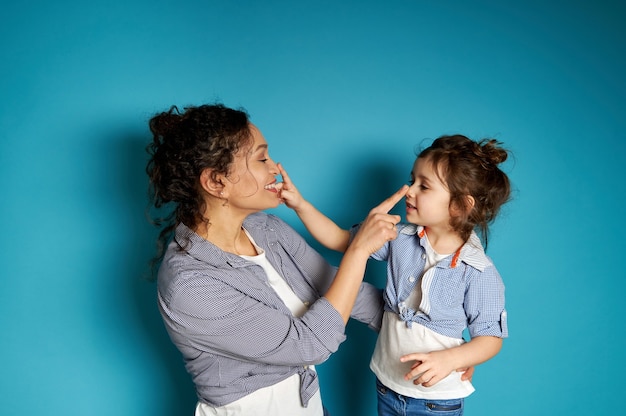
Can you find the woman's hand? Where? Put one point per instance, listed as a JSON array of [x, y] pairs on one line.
[[379, 226]]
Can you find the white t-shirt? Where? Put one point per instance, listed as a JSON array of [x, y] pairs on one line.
[[283, 398]]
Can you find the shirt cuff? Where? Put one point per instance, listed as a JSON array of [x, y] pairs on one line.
[[326, 324]]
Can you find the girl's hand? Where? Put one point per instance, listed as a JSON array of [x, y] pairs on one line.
[[289, 194], [468, 373], [428, 368]]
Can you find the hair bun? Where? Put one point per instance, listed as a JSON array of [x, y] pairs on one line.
[[491, 151]]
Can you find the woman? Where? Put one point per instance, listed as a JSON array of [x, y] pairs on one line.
[[249, 304]]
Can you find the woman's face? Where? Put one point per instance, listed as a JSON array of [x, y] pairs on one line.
[[251, 184]]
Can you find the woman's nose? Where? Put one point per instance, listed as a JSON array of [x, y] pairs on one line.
[[273, 167]]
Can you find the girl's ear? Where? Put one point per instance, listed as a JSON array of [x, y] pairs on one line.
[[469, 203], [212, 182], [465, 209]]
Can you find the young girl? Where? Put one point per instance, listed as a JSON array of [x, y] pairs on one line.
[[439, 279]]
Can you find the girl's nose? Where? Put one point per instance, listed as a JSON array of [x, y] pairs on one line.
[[411, 192]]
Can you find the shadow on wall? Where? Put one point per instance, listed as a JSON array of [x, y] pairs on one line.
[[168, 382]]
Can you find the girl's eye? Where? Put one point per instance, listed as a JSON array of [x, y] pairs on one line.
[[423, 187], [263, 160]]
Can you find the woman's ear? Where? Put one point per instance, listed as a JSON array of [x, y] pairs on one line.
[[212, 182]]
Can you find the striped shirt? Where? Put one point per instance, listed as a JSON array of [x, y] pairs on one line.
[[235, 333]]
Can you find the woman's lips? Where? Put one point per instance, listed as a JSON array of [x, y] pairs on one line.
[[274, 187]]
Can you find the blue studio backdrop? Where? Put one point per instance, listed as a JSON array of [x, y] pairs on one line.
[[344, 92]]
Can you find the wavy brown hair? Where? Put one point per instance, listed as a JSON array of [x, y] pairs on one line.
[[184, 145], [470, 168]]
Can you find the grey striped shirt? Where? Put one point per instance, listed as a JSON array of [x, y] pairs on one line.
[[235, 333]]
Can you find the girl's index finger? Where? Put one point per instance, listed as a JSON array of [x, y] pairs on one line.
[[283, 173]]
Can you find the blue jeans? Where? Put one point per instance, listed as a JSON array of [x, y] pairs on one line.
[[391, 403]]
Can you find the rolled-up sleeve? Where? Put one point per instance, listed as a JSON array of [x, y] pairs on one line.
[[214, 317], [369, 306], [484, 305]]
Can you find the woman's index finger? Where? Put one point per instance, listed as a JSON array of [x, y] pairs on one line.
[[387, 204]]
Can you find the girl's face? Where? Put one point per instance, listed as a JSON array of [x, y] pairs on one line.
[[428, 199], [252, 184]]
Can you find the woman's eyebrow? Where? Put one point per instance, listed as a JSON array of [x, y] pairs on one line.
[[261, 146]]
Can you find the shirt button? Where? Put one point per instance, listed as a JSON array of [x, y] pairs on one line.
[[423, 255], [412, 279]]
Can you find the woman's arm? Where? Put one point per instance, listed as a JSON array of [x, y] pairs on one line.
[[204, 312], [214, 311], [226, 312], [378, 228], [317, 273]]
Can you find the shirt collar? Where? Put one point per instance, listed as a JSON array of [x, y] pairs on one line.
[[205, 251], [471, 253]]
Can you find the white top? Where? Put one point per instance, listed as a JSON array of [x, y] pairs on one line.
[[283, 398], [397, 339]]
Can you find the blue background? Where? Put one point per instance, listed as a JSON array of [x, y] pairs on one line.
[[343, 92]]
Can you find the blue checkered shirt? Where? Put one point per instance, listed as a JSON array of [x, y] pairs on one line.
[[465, 290]]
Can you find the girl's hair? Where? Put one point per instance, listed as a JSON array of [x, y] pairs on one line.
[[184, 145], [470, 168]]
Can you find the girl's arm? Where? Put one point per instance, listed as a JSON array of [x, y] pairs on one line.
[[322, 228], [431, 367]]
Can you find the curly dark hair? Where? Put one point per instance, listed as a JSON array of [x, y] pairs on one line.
[[184, 145], [471, 168]]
